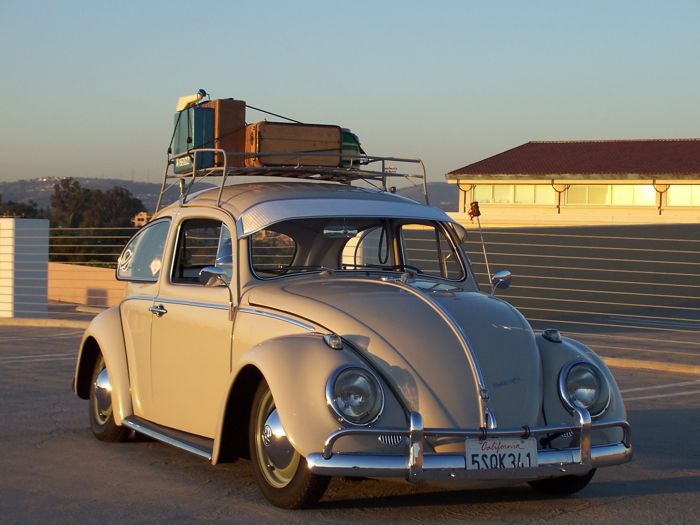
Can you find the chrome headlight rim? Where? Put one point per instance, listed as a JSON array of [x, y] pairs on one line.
[[330, 397], [603, 380]]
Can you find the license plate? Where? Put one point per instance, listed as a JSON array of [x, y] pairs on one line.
[[496, 453]]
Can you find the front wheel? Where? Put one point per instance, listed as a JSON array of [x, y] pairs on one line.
[[563, 486], [280, 471], [101, 417]]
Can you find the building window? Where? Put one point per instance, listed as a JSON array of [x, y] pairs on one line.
[[514, 194], [525, 194], [545, 195], [503, 194], [683, 195], [611, 194], [645, 195], [577, 195]]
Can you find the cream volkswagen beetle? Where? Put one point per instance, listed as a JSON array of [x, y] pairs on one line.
[[323, 329]]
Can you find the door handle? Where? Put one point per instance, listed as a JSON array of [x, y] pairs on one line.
[[159, 310]]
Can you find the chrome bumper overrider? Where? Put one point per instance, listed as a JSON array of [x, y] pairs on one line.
[[417, 466]]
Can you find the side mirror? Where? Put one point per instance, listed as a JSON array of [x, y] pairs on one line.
[[501, 279], [212, 276]]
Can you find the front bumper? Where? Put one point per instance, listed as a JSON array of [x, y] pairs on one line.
[[417, 466]]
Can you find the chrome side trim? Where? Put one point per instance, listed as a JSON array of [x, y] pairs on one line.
[[279, 317], [133, 424], [198, 304], [139, 297]]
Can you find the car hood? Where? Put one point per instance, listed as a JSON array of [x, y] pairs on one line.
[[416, 351]]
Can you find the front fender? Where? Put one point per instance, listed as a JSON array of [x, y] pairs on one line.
[[297, 368], [554, 357], [104, 335]]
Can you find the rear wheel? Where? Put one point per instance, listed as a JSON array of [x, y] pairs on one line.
[[563, 486], [101, 417], [281, 472]]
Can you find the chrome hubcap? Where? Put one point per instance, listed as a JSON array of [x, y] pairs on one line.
[[103, 397], [274, 439], [277, 458]]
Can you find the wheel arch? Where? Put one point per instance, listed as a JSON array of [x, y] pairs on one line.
[[296, 368], [232, 438], [89, 353], [104, 336]]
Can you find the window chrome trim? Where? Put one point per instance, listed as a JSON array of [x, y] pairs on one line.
[[178, 242], [261, 278], [278, 317], [441, 227], [165, 219]]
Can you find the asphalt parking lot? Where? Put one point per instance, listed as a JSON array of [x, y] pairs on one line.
[[53, 470]]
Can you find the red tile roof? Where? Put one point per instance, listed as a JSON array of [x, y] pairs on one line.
[[613, 159]]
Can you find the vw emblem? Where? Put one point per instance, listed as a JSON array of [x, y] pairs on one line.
[[267, 435]]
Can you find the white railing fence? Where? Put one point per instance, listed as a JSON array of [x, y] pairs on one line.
[[627, 284]]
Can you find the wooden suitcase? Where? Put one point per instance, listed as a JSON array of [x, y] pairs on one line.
[[282, 137], [229, 129]]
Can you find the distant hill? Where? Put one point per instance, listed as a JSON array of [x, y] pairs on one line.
[[442, 195], [40, 190]]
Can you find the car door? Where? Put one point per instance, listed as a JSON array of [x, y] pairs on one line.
[[140, 265], [191, 329]]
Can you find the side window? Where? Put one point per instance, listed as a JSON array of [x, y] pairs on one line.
[[370, 247], [271, 252], [426, 248], [142, 258], [201, 243]]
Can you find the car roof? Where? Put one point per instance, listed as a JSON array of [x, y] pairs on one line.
[[255, 206]]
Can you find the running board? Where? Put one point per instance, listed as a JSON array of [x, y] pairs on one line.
[[198, 445]]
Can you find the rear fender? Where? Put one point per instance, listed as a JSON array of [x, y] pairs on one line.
[[104, 335]]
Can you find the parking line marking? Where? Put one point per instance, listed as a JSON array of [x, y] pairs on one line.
[[656, 387], [44, 359], [35, 358], [677, 394], [30, 337]]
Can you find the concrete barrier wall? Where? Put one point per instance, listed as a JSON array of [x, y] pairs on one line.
[[85, 285], [23, 258]]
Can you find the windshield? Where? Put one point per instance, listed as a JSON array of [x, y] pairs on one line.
[[356, 244]]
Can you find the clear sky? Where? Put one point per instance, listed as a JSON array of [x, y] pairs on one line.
[[88, 88]]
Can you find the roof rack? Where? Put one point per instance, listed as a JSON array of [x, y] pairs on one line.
[[227, 165]]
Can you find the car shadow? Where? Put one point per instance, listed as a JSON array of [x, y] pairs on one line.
[[597, 491]]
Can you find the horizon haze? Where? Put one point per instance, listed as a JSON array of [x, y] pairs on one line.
[[89, 89]]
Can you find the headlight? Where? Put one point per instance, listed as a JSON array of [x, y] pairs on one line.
[[355, 395], [583, 385]]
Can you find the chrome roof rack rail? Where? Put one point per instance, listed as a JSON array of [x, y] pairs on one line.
[[369, 168]]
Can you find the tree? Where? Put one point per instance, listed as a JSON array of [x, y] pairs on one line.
[[68, 204], [25, 210], [73, 206]]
